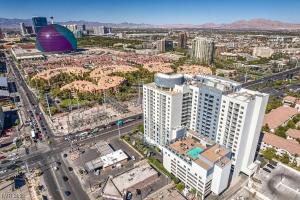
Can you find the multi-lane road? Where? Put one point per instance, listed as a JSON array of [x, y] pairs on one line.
[[47, 159], [281, 75]]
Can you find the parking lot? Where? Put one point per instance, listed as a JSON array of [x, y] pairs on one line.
[[277, 182], [94, 179]]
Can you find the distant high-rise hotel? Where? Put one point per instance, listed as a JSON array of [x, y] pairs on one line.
[[72, 27], [203, 50], [39, 23], [1, 34], [164, 45], [182, 40], [77, 30], [102, 30], [25, 30]]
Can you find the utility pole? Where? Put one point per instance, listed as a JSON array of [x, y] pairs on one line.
[[119, 131]]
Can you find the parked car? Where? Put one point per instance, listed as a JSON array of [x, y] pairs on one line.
[[2, 157], [67, 193], [128, 196], [270, 166], [267, 170], [65, 178]]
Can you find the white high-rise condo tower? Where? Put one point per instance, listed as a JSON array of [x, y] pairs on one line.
[[213, 107]]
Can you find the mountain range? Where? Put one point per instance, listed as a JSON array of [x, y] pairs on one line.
[[253, 24]]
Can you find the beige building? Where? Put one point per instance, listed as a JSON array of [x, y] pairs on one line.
[[264, 52]]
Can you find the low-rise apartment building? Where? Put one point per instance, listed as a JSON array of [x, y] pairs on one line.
[[282, 146], [279, 117]]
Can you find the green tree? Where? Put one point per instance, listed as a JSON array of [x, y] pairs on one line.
[[266, 128], [140, 128], [180, 186], [296, 118], [273, 103], [269, 153], [221, 74], [284, 158], [291, 124], [193, 191], [281, 131]]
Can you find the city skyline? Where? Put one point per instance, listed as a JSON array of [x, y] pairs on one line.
[[150, 99], [154, 12]]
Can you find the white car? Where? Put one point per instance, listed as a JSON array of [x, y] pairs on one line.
[[3, 171]]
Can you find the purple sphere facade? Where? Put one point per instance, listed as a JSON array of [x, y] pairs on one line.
[[55, 38]]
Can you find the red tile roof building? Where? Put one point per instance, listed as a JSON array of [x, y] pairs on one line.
[[279, 116], [282, 146]]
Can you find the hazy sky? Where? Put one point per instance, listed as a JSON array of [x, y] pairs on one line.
[[154, 11]]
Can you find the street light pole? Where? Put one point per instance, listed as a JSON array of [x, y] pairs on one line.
[[119, 130]]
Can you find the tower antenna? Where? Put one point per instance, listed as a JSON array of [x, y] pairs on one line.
[[52, 18]]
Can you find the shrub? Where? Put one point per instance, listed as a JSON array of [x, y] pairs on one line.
[[180, 186]]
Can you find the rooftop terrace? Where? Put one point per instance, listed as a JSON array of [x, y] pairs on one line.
[[205, 156]]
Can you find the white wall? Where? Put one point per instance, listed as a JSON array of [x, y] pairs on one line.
[[220, 178], [258, 107]]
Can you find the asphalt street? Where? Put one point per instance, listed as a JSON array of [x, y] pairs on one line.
[[46, 160], [273, 77]]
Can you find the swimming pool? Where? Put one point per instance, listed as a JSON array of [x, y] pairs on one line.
[[194, 152]]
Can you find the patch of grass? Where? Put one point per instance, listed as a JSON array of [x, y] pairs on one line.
[[72, 102]]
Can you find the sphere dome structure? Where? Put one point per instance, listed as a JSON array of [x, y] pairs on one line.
[[55, 38]]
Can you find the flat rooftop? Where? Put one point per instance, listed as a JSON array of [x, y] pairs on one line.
[[3, 81], [20, 50], [166, 193], [103, 148], [204, 156], [113, 158], [282, 182], [245, 94], [141, 175], [107, 160], [166, 91], [134, 176], [218, 79]]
